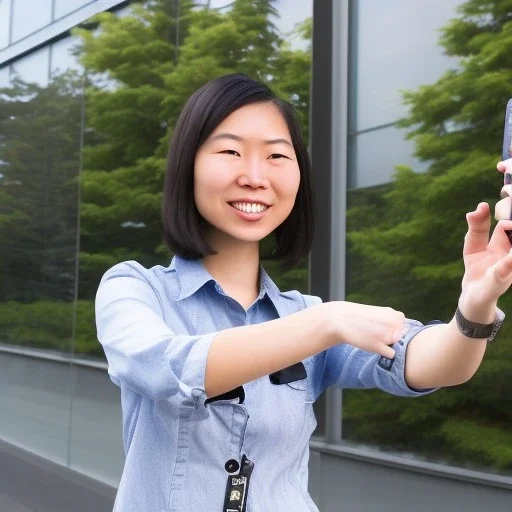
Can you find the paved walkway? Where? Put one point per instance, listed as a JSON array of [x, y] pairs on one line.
[[31, 484]]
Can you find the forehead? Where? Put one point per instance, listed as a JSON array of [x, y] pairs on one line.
[[258, 119]]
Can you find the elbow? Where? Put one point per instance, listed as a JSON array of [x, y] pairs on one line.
[[440, 381], [461, 377], [466, 377]]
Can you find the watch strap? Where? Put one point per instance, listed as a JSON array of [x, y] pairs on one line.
[[476, 330]]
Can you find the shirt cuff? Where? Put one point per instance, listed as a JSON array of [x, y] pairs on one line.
[[397, 365], [192, 379]]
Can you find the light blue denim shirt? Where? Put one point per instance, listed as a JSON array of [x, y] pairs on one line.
[[156, 326]]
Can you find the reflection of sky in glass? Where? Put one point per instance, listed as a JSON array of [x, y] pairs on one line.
[[5, 12], [34, 67], [291, 12], [62, 60], [376, 154], [397, 48], [29, 16], [4, 77], [63, 7]]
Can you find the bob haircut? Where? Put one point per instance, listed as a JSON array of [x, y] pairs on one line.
[[203, 112]]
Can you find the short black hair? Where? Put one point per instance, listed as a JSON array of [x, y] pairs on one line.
[[201, 115]]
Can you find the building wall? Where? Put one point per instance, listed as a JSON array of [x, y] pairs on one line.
[[56, 400], [377, 450]]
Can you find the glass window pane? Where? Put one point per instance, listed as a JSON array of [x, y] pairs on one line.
[[62, 58], [405, 232], [41, 128], [34, 67], [29, 16], [40, 150], [5, 19], [374, 155], [63, 7], [4, 77], [396, 45]]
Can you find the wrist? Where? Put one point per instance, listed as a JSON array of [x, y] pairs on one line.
[[477, 311], [479, 330], [330, 323]]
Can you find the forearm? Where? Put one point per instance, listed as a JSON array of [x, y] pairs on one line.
[[242, 354], [442, 356]]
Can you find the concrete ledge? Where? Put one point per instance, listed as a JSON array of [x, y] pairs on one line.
[[413, 465]]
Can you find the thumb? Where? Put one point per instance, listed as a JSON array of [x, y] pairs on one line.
[[387, 352], [503, 268]]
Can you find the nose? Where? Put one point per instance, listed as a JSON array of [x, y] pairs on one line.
[[253, 175]]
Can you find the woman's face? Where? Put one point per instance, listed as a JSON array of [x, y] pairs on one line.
[[246, 175]]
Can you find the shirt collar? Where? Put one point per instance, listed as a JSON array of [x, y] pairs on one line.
[[192, 275]]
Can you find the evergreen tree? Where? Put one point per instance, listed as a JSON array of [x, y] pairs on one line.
[[406, 242]]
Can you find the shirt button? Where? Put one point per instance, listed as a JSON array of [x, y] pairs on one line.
[[232, 466]]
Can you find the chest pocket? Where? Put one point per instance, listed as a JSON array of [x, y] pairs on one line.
[[299, 385]]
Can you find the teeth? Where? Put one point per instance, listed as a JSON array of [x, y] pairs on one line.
[[250, 207]]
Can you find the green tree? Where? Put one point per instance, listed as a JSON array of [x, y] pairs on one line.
[[406, 241], [39, 151], [41, 130]]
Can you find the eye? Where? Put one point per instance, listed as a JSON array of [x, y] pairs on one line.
[[276, 156], [230, 152]]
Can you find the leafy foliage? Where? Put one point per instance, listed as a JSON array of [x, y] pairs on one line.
[[405, 244]]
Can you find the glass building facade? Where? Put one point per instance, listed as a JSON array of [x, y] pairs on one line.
[[89, 94]]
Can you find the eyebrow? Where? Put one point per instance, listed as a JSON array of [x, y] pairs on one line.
[[232, 136]]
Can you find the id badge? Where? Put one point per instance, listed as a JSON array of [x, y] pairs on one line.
[[237, 487]]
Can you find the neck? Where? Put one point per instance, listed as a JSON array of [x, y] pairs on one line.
[[236, 269]]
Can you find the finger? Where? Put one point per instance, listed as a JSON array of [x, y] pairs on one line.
[[479, 224], [499, 238], [506, 190], [505, 165], [503, 269], [503, 209]]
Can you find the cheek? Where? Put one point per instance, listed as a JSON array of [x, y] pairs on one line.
[[289, 185]]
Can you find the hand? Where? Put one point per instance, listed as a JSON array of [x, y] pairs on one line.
[[488, 263], [370, 328]]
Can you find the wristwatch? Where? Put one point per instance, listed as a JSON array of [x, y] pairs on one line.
[[481, 331]]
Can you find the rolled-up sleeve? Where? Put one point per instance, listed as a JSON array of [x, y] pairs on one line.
[[143, 353], [350, 367], [346, 366]]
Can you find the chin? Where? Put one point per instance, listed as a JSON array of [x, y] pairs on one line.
[[248, 238]]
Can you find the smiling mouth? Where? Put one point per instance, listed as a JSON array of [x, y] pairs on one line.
[[249, 207]]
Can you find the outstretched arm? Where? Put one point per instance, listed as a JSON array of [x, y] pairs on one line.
[[442, 355]]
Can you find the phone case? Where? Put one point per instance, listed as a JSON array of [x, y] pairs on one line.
[[507, 151], [507, 133]]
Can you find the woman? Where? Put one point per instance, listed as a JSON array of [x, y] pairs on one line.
[[218, 369]]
